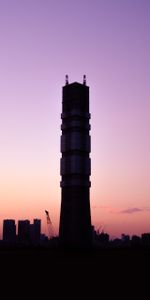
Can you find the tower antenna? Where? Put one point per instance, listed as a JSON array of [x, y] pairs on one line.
[[84, 79], [67, 79]]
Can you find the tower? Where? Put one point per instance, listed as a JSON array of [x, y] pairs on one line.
[[75, 217]]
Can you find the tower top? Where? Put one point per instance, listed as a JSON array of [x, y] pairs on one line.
[[67, 80]]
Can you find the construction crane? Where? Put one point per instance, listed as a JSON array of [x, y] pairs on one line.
[[101, 229], [49, 225]]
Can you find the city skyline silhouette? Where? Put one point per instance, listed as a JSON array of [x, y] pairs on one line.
[[109, 42]]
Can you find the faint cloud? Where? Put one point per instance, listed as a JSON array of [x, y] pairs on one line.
[[131, 210], [114, 210]]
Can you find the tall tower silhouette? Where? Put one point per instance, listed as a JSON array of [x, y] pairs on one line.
[[75, 217]]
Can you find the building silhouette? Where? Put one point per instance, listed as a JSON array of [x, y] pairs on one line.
[[9, 230], [146, 239], [136, 241], [75, 218], [125, 238], [23, 230], [36, 230], [29, 232]]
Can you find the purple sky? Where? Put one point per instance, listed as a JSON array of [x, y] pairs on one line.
[[109, 41]]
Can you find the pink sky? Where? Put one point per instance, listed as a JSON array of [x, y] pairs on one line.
[[109, 41]]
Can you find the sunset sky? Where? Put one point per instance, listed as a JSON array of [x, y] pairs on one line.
[[40, 42]]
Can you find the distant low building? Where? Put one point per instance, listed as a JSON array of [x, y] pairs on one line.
[[103, 238], [100, 239], [135, 241], [146, 239], [125, 238], [43, 238]]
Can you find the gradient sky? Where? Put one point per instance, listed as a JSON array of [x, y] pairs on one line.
[[109, 41]]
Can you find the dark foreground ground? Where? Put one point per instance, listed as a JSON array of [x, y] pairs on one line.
[[74, 273]]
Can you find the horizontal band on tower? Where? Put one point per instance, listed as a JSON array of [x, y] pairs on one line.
[[75, 182], [74, 125], [75, 113]]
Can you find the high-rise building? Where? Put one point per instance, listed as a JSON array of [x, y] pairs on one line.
[[37, 229], [9, 230], [75, 217], [24, 230]]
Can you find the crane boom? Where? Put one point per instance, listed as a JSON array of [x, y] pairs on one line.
[[49, 225]]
